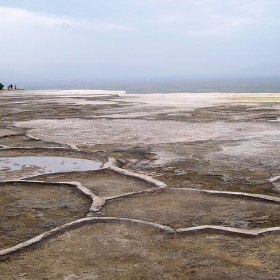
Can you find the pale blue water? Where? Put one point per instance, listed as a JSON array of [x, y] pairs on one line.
[[35, 165], [166, 85]]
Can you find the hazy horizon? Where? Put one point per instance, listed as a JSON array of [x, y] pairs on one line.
[[161, 85]]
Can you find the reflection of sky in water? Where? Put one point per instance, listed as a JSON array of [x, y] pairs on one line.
[[42, 165]]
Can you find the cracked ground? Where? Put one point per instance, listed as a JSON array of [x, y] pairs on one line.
[[188, 186]]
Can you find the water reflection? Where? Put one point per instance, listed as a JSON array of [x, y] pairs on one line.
[[35, 165]]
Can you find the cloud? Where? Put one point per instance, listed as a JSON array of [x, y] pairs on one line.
[[169, 19], [100, 26], [63, 25], [216, 25], [20, 18], [214, 17], [166, 36], [11, 17], [22, 22], [219, 25]]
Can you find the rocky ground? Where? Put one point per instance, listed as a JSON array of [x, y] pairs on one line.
[[189, 186]]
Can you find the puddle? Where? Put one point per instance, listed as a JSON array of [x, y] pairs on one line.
[[36, 165]]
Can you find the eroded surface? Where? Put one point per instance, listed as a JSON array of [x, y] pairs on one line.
[[23, 141], [183, 208], [222, 142], [125, 251], [104, 183], [29, 209], [145, 132]]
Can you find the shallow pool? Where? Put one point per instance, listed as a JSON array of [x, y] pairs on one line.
[[35, 165]]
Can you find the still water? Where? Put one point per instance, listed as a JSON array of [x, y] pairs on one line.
[[35, 165]]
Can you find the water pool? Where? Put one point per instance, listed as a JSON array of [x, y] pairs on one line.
[[36, 165]]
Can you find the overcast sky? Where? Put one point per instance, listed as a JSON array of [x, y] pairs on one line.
[[92, 39]]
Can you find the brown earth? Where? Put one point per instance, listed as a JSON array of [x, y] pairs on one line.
[[28, 209], [126, 251], [104, 183], [179, 208]]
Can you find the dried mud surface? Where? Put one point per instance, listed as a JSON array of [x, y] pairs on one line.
[[182, 208], [190, 142], [124, 251], [29, 209], [104, 183]]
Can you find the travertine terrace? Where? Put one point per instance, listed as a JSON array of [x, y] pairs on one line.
[[188, 186]]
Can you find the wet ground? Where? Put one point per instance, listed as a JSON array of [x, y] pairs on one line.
[[193, 192]]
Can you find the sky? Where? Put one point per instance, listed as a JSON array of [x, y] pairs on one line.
[[120, 39]]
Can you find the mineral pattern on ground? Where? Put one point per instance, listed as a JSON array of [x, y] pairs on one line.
[[186, 186]]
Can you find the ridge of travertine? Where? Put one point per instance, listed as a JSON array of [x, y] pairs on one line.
[[98, 202], [167, 229]]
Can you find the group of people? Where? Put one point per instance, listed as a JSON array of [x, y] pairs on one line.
[[10, 87]]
